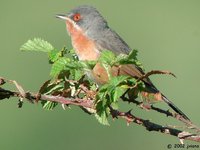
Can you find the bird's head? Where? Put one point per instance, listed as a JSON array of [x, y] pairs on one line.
[[85, 18]]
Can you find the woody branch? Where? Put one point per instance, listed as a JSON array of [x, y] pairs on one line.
[[89, 103]]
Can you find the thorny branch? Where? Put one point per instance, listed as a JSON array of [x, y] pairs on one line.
[[165, 112], [150, 126], [89, 103]]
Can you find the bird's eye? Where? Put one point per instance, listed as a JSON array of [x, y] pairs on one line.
[[77, 17]]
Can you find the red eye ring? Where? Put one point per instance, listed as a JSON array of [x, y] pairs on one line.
[[77, 17]]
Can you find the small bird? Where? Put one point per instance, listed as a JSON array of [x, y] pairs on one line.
[[90, 35]]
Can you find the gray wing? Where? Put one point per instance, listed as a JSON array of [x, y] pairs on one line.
[[110, 40]]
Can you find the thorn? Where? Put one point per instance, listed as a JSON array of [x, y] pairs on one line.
[[63, 106], [168, 112], [114, 115], [127, 123], [129, 112], [2, 81], [181, 141]]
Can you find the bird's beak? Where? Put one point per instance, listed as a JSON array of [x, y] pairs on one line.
[[60, 16]]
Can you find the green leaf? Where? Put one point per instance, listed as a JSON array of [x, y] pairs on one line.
[[107, 57], [117, 93], [73, 65], [112, 91], [37, 44], [88, 65], [107, 67], [131, 58], [77, 74], [102, 118], [54, 55], [115, 81], [102, 114], [59, 66], [102, 90], [133, 54], [49, 105]]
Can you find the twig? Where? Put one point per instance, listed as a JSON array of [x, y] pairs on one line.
[[150, 126], [153, 72], [176, 116]]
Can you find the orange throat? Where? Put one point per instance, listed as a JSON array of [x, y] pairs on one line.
[[84, 47]]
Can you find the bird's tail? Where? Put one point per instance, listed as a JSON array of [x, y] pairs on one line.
[[174, 107]]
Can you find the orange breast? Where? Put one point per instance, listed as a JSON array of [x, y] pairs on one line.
[[85, 48]]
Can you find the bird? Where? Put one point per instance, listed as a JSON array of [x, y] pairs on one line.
[[90, 35]]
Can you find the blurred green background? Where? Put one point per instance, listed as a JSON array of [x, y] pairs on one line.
[[167, 35]]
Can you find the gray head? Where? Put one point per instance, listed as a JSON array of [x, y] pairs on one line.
[[85, 17]]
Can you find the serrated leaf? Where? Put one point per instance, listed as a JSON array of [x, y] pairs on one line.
[[37, 44], [88, 65], [115, 81], [59, 66], [74, 65], [102, 117], [54, 55], [107, 56], [131, 58], [133, 54], [116, 93], [111, 91], [77, 74]]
